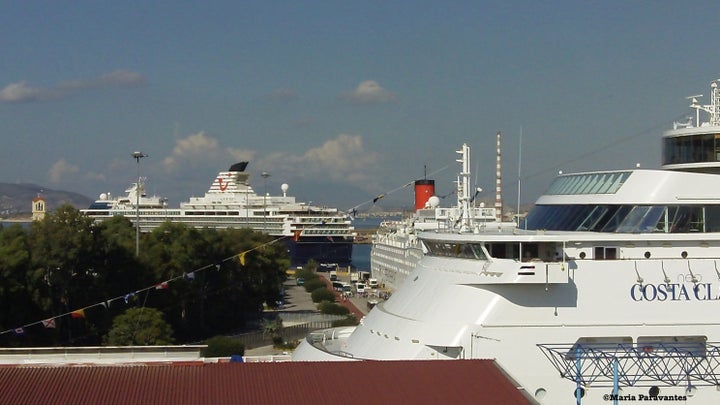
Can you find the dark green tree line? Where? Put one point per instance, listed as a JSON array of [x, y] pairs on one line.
[[66, 262]]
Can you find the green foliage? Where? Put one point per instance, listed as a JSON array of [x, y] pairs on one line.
[[306, 274], [322, 294], [223, 346], [66, 261], [314, 284], [311, 266], [273, 328], [332, 308], [139, 327]]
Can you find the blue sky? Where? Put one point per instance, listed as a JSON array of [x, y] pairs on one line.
[[342, 100]]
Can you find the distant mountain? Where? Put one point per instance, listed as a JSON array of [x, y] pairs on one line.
[[16, 198]]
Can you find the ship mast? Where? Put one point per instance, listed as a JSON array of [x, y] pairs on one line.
[[498, 182], [463, 194], [713, 109]]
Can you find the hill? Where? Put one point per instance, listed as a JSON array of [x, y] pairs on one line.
[[16, 199]]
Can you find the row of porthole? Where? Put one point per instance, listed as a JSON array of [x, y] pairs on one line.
[[684, 255], [396, 338], [654, 391]]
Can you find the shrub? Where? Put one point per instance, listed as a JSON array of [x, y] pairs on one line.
[[223, 346], [139, 327], [322, 294], [306, 274], [312, 285], [332, 308]]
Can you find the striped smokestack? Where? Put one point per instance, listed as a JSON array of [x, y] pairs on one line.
[[498, 182]]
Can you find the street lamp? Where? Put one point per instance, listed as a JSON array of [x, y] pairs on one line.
[[137, 156], [265, 175]]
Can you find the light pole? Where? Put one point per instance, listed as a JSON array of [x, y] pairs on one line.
[[137, 156], [265, 175]]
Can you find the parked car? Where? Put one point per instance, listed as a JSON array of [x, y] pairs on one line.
[[300, 281]]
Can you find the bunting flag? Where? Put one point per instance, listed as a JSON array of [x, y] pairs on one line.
[[80, 313], [377, 198]]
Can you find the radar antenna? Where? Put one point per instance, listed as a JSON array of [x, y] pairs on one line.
[[713, 109], [696, 106]]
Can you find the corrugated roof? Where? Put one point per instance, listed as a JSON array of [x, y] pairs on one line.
[[366, 382]]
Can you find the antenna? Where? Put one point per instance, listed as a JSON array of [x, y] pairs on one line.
[[498, 181], [519, 176], [696, 106]]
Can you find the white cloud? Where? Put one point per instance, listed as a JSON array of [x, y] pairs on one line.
[[60, 169], [201, 147], [370, 92], [240, 155], [20, 92], [341, 159]]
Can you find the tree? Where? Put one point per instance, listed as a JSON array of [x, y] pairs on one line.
[[273, 328], [15, 296], [223, 346], [62, 274], [322, 294], [139, 327]]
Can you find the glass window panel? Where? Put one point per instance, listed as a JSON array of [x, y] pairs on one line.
[[712, 218], [599, 184], [592, 218], [615, 221]]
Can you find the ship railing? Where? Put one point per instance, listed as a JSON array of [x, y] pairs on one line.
[[628, 364], [322, 336]]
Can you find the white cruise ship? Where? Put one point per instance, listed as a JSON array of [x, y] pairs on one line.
[[611, 292], [310, 232], [396, 248]]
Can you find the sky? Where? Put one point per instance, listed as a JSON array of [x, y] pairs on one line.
[[343, 101]]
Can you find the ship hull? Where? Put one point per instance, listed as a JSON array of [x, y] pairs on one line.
[[336, 251]]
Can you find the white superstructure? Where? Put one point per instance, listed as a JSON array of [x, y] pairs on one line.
[[310, 232], [609, 293], [396, 248]]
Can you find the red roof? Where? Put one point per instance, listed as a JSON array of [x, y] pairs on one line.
[[365, 382]]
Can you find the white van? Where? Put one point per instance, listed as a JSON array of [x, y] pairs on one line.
[[360, 288], [373, 283]]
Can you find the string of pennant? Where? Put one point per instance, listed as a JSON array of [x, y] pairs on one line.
[[50, 323], [80, 312]]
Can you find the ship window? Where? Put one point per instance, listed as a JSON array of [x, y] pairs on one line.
[[641, 219], [712, 218], [458, 250], [686, 219], [605, 253], [616, 219], [593, 218]]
